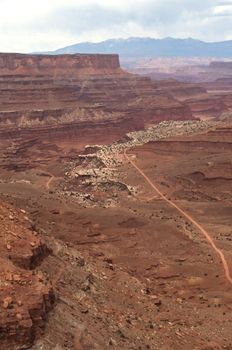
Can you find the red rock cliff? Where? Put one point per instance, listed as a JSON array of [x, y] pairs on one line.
[[78, 92], [18, 64]]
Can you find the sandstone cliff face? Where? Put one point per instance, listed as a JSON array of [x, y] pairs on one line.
[[19, 64], [78, 90]]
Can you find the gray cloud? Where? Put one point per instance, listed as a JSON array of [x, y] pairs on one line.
[[91, 17], [166, 17], [74, 21]]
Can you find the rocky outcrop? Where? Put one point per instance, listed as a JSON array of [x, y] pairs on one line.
[[25, 301], [97, 171], [25, 296]]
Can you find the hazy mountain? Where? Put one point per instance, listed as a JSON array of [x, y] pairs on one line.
[[147, 47]]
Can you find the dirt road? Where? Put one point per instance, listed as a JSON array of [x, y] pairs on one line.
[[49, 181], [188, 217]]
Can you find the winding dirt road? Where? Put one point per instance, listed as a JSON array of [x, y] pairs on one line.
[[51, 179], [48, 183], [188, 217]]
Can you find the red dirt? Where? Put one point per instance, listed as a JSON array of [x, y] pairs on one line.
[[136, 272], [188, 217]]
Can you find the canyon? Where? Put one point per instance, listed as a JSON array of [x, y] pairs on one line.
[[203, 84], [80, 91], [92, 256]]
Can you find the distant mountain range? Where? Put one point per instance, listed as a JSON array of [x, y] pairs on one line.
[[147, 47]]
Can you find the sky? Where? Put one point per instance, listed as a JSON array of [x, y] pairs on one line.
[[30, 25]]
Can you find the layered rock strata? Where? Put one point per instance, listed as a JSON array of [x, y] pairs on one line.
[[79, 90]]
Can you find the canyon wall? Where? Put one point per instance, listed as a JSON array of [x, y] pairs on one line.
[[89, 91], [221, 65], [20, 64]]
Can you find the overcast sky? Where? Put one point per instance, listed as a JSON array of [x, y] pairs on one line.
[[31, 25]]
